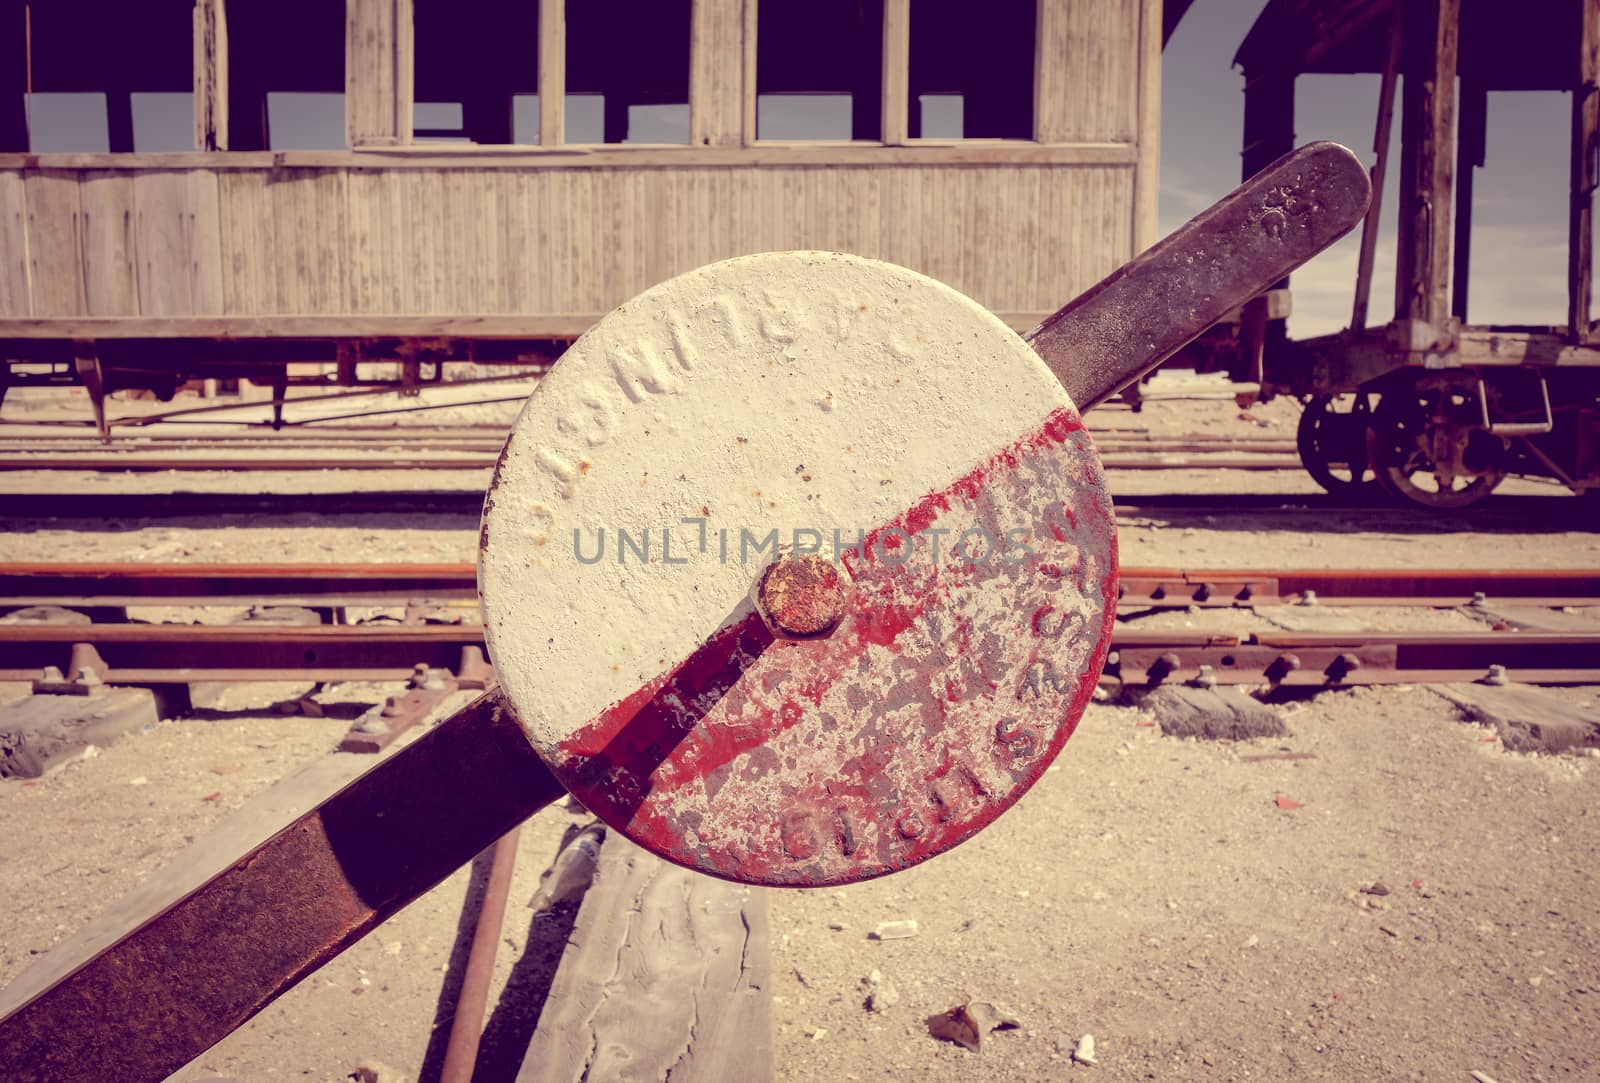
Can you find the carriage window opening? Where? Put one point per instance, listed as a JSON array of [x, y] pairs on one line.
[[163, 121], [275, 103], [299, 121], [437, 122], [939, 116], [481, 56], [971, 73], [525, 119], [585, 118], [819, 70], [804, 116], [1517, 266], [67, 123], [73, 84], [633, 56], [658, 123]]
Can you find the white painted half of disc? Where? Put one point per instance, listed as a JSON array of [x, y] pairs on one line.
[[788, 391]]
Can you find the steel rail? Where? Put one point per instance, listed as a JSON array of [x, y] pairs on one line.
[[147, 463], [1554, 508], [330, 585], [185, 653]]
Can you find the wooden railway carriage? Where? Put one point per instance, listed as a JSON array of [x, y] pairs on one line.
[[433, 180], [1436, 408]]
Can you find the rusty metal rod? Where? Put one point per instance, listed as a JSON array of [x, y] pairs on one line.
[[466, 1027]]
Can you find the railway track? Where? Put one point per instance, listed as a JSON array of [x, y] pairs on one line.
[[476, 448], [1296, 510], [1529, 630]]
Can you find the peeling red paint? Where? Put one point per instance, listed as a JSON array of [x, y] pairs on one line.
[[940, 698]]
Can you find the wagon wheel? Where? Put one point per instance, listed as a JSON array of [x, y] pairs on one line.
[[1427, 447], [1333, 445]]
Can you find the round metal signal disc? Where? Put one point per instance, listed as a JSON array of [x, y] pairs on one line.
[[811, 404]]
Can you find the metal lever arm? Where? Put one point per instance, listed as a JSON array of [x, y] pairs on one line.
[[1148, 309], [169, 986]]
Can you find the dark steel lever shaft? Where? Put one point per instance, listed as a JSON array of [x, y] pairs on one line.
[[167, 987], [1148, 309]]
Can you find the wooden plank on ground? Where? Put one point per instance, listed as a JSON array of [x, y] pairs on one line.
[[1535, 618], [41, 733], [1222, 713], [1528, 719], [667, 975]]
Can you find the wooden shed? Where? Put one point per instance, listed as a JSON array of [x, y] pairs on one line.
[[508, 170]]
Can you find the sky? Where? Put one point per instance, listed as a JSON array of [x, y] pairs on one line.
[[1519, 231], [1519, 227]]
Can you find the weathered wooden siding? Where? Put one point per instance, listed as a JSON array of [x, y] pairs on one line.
[[1019, 237], [567, 232]]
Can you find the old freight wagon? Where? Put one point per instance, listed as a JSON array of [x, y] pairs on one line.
[[1434, 406], [193, 187]]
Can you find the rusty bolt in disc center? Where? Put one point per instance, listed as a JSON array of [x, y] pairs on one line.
[[801, 596]]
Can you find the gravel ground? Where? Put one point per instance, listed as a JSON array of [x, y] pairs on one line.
[[1150, 891]]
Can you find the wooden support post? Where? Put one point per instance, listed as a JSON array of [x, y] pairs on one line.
[[1147, 169], [119, 121], [552, 72], [896, 70], [280, 388], [716, 73], [614, 112], [1268, 119], [1472, 132], [86, 359], [866, 93], [1049, 110], [379, 71], [1268, 136], [1585, 173], [1422, 267], [1381, 138], [749, 96], [13, 79], [210, 75]]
